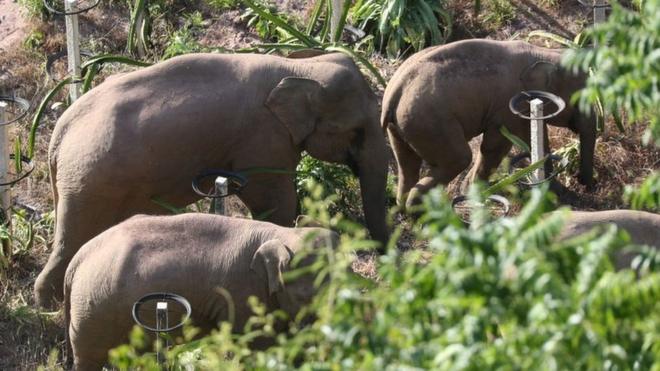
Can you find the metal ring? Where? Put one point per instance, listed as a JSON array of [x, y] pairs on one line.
[[23, 103], [56, 56], [517, 158], [161, 296], [25, 160], [534, 94], [60, 12], [236, 183], [496, 198]]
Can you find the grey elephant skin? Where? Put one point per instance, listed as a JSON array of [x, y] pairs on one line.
[[146, 134], [643, 228], [443, 96], [190, 255]]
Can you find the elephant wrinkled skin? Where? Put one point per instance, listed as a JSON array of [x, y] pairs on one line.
[[147, 134], [191, 255], [642, 227], [443, 96]]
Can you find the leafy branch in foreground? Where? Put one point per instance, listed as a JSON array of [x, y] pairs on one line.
[[499, 294], [625, 63]]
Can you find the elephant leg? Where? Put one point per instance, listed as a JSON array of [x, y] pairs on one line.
[[272, 198], [77, 220], [494, 147], [408, 164], [447, 153]]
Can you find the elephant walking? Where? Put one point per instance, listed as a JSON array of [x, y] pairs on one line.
[[147, 134], [443, 96]]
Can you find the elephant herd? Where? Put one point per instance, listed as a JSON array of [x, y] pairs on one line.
[[145, 135]]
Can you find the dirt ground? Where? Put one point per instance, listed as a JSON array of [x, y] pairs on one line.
[[27, 335]]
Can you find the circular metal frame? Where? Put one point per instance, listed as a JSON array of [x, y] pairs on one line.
[[25, 160], [496, 198], [534, 94], [22, 103], [161, 296], [59, 55], [60, 12], [519, 157], [236, 183]]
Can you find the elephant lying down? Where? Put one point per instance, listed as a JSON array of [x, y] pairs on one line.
[[190, 255], [643, 228]]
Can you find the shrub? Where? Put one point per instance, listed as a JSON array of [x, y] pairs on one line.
[[497, 294]]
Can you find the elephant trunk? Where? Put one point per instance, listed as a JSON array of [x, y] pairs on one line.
[[372, 167]]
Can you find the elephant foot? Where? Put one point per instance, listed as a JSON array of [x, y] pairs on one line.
[[46, 295]]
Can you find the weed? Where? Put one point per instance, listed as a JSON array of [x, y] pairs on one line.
[[498, 13]]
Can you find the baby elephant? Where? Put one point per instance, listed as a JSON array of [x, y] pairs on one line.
[[191, 255], [443, 96], [643, 228]]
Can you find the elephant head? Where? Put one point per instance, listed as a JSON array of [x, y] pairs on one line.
[[336, 119], [548, 75], [270, 262]]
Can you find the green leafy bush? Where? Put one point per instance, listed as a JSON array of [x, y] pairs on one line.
[[499, 294], [625, 67], [336, 180], [400, 26], [625, 64]]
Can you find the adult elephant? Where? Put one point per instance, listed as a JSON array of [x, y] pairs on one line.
[[148, 133], [443, 96]]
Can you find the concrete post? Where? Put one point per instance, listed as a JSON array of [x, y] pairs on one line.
[[536, 107], [161, 323], [221, 188], [5, 191], [599, 11], [73, 48]]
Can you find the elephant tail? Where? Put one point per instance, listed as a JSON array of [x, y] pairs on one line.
[[390, 102], [68, 280]]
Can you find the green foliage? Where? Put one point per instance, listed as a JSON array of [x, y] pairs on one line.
[[25, 231], [625, 63], [291, 38], [647, 196], [498, 13], [399, 26], [499, 294], [34, 8], [337, 180], [625, 76], [223, 4]]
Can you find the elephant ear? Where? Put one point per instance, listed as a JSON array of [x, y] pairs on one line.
[[269, 261], [295, 102], [538, 75]]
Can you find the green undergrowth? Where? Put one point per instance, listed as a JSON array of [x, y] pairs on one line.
[[498, 293]]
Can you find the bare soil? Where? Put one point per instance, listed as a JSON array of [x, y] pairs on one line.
[[27, 335]]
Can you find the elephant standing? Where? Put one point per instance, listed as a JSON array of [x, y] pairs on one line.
[[148, 133], [191, 255], [443, 96]]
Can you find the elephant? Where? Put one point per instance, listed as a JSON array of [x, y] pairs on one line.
[[146, 134], [443, 96], [191, 255], [642, 227]]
